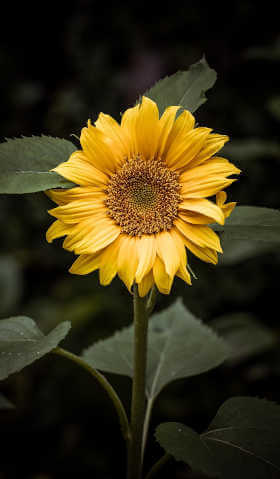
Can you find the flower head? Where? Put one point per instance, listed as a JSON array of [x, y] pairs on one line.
[[141, 200]]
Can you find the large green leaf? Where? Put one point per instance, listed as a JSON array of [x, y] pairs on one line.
[[22, 343], [179, 346], [185, 88], [25, 164], [242, 441], [252, 223]]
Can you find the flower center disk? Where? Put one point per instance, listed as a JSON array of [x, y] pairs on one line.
[[143, 197]]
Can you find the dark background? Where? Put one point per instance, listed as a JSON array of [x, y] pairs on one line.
[[59, 67]]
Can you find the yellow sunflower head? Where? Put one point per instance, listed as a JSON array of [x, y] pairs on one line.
[[141, 199]]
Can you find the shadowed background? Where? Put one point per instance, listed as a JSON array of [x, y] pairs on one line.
[[59, 68]]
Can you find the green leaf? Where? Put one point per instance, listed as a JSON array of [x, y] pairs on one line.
[[179, 346], [185, 88], [245, 334], [242, 441], [186, 445], [252, 223], [22, 343], [5, 403], [251, 149], [25, 164], [237, 251]]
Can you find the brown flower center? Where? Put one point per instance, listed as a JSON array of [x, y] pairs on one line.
[[143, 197]]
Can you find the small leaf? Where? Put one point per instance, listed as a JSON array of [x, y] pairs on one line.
[[185, 88], [22, 343], [241, 442], [179, 346], [5, 403], [25, 164], [245, 335], [252, 223]]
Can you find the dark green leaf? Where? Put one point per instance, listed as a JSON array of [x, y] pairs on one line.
[[179, 346], [252, 223], [114, 354], [186, 445], [25, 164], [245, 437], [186, 88], [237, 251], [245, 335], [22, 342], [251, 149], [5, 403], [241, 442]]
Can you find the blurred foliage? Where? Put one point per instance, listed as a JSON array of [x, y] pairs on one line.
[[57, 73]]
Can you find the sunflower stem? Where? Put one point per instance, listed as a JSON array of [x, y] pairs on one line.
[[138, 402]]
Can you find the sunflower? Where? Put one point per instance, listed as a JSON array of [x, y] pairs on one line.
[[141, 197]]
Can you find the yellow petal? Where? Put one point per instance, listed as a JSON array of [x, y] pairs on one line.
[[221, 197], [92, 235], [166, 123], [200, 235], [147, 128], [109, 262], [207, 179], [181, 153], [146, 249], [227, 208], [115, 136], [64, 196], [85, 264], [205, 254], [213, 143], [128, 125], [97, 150], [146, 284], [216, 167], [203, 207], [179, 244], [162, 279], [80, 171], [195, 218], [182, 272], [205, 187], [127, 260], [183, 124], [56, 230], [167, 252], [78, 211]]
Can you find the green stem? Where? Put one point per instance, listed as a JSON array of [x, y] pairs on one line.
[[138, 401], [105, 384], [158, 465]]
